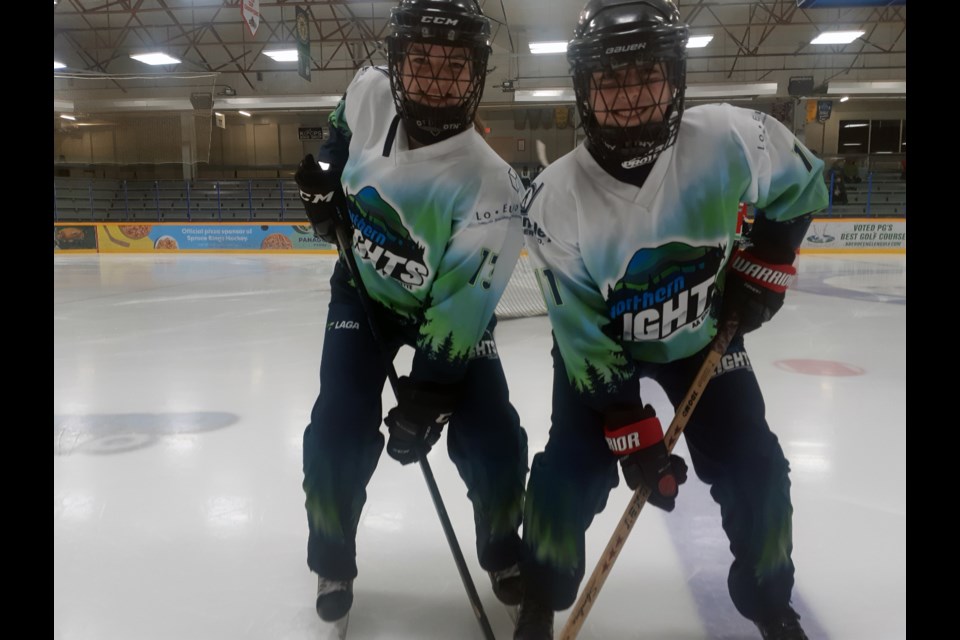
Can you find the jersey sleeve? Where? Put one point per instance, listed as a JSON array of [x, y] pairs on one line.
[[477, 263], [336, 149], [597, 366], [786, 179]]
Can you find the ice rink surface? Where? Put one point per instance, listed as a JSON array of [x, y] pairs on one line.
[[183, 384]]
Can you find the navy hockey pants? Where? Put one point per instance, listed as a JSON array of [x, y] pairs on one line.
[[343, 442], [731, 448]]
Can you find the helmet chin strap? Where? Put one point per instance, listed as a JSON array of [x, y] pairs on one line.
[[618, 161], [426, 134], [633, 152], [635, 174], [425, 122]]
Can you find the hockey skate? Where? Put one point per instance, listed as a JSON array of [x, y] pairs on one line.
[[507, 585], [334, 599], [508, 588], [784, 625], [535, 621], [337, 630]]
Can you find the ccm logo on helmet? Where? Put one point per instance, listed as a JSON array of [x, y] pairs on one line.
[[439, 20], [624, 48]]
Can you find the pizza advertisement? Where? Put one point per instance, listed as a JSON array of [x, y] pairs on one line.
[[185, 237]]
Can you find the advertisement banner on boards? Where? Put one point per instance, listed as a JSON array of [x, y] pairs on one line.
[[857, 234], [148, 238]]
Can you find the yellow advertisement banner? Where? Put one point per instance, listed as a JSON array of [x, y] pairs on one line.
[[124, 237], [186, 236]]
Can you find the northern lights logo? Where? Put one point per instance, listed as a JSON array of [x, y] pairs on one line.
[[381, 238], [663, 290]]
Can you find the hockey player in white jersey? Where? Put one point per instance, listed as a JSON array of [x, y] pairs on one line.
[[436, 232], [635, 231]]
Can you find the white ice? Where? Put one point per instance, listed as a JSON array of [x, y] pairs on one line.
[[183, 383]]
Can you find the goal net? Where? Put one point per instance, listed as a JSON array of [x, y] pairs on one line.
[[522, 297]]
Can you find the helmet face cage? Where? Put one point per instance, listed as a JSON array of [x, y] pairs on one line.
[[437, 55], [629, 83]]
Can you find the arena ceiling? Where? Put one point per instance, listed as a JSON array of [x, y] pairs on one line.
[[753, 42]]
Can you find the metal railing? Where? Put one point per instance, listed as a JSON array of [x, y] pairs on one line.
[[175, 200], [879, 194]]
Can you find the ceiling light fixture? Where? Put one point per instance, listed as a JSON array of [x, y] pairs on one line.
[[731, 90], [544, 95], [284, 102], [837, 37], [281, 102], [155, 58], [876, 86], [282, 55], [698, 42], [554, 46]]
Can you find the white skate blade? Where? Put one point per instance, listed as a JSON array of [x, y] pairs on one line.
[[337, 630]]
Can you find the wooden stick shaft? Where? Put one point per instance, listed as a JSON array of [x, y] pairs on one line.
[[590, 592]]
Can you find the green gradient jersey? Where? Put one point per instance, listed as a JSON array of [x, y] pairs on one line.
[[437, 230], [634, 273]]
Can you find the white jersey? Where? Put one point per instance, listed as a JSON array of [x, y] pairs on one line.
[[437, 230], [631, 273]]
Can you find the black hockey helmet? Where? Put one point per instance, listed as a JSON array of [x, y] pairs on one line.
[[450, 23], [613, 35]]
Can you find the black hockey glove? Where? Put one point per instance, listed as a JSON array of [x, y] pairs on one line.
[[634, 434], [417, 420], [757, 280], [321, 193]]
